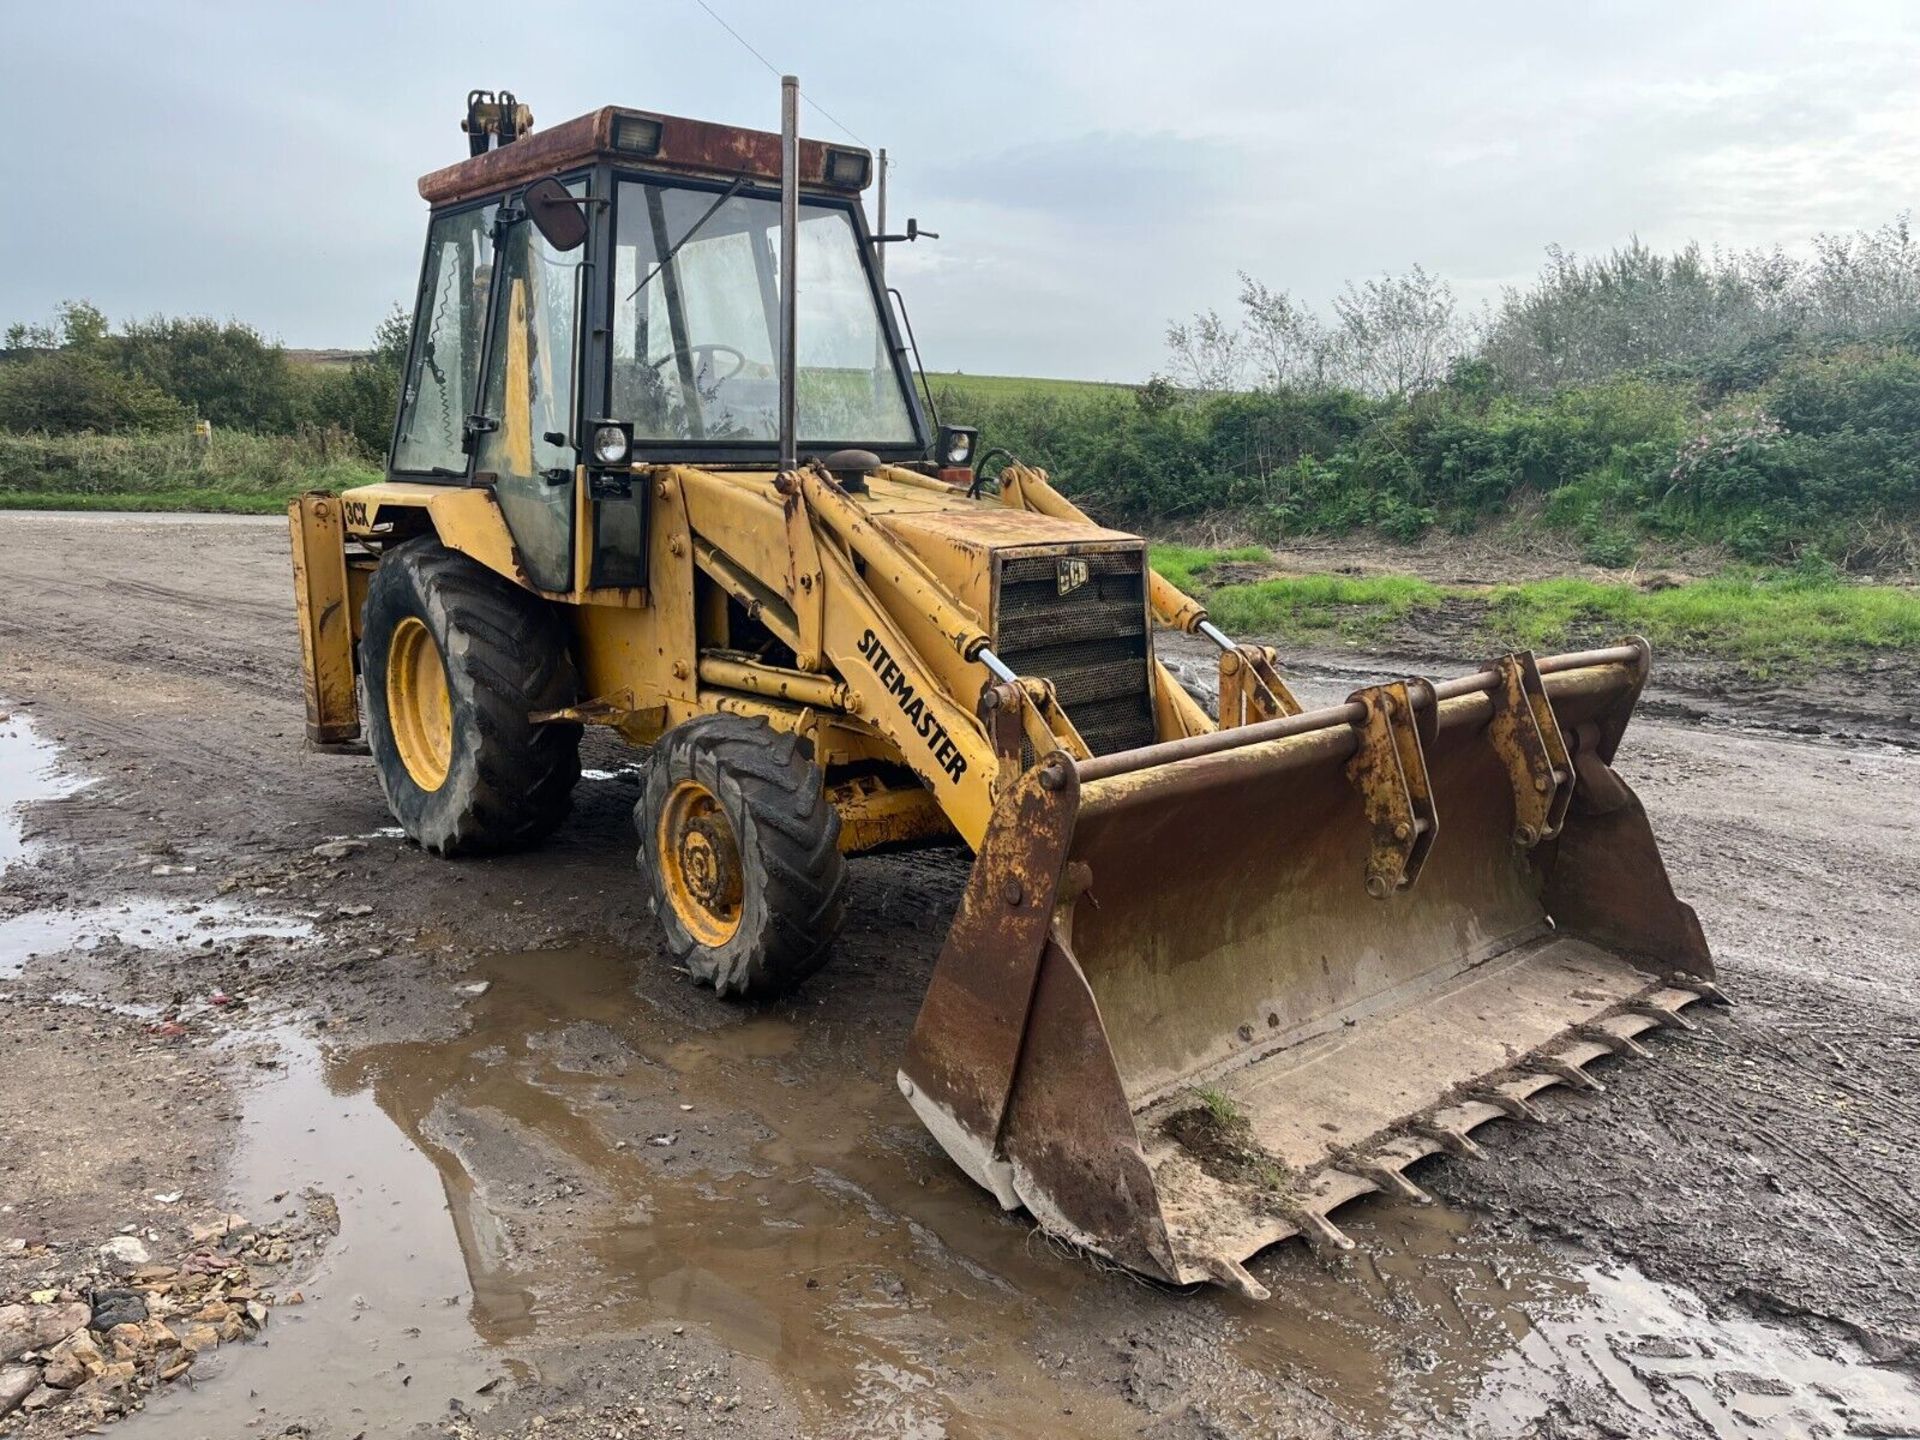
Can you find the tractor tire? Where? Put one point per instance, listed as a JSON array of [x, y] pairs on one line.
[[453, 659], [742, 850]]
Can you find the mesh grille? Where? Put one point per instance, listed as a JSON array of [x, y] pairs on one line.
[[1091, 642]]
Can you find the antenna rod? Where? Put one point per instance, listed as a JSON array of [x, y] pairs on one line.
[[789, 262]]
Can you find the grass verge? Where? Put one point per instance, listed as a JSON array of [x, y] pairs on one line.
[[1184, 565], [1764, 620], [233, 473]]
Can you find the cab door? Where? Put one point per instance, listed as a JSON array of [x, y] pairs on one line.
[[525, 446]]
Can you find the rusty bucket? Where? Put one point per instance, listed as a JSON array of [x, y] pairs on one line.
[[1200, 994]]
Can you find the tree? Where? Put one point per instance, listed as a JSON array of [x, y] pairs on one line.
[[77, 324], [1208, 353], [228, 373], [1398, 334], [1293, 348], [1390, 337]]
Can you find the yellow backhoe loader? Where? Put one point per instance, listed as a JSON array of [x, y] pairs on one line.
[[660, 464]]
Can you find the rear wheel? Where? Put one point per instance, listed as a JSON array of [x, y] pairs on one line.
[[453, 659], [741, 848]]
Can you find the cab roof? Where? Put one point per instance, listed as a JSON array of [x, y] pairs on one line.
[[646, 141]]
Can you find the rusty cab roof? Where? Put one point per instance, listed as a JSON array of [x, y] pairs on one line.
[[693, 147]]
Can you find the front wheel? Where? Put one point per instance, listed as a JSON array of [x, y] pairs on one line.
[[742, 850], [453, 661]]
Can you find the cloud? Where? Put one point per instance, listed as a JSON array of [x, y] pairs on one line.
[[1097, 169], [1096, 178]]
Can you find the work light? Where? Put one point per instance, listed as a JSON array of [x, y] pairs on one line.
[[955, 445], [612, 442], [849, 169], [636, 134]]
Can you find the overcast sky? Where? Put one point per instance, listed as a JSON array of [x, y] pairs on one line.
[[1094, 170]]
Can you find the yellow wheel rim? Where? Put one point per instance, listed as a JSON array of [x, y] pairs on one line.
[[700, 864], [419, 705]]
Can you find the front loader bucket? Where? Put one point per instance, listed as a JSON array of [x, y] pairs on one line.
[[1200, 994]]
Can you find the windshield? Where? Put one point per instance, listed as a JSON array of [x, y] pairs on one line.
[[696, 340]]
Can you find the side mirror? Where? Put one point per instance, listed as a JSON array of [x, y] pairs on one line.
[[559, 217]]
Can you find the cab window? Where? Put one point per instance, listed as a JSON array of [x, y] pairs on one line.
[[696, 323], [443, 370]]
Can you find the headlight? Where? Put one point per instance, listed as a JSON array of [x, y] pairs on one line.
[[612, 442], [954, 446]]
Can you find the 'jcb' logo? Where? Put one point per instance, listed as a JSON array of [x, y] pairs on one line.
[[1070, 574]]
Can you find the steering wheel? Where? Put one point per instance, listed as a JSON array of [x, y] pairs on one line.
[[697, 351]]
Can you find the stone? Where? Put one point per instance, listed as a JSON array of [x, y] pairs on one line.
[[124, 1253], [213, 1312], [40, 1398], [38, 1327], [117, 1307], [16, 1383], [218, 1229], [119, 1377], [200, 1337], [74, 1361]]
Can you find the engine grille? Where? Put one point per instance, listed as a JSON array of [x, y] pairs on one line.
[[1090, 642]]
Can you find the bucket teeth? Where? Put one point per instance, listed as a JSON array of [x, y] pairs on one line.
[[1389, 1180], [1514, 1107], [1619, 1044], [1705, 989], [1661, 1015], [1566, 1070], [1327, 1239], [1450, 1138], [1235, 1276]]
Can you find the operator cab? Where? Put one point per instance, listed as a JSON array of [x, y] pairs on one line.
[[607, 292]]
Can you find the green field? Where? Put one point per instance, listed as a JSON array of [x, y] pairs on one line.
[[991, 389]]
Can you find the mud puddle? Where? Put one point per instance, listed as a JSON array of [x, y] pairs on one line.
[[579, 1165], [29, 771], [1440, 1328], [382, 1339], [610, 1169], [139, 922]]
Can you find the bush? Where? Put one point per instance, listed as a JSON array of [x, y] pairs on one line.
[[225, 373], [68, 392], [360, 400]]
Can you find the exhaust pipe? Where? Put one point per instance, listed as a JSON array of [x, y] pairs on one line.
[[789, 266]]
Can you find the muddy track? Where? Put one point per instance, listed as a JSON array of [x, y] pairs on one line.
[[729, 1218]]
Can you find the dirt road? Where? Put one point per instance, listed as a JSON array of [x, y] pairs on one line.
[[558, 1188]]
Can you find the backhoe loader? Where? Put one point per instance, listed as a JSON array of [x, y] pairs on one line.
[[660, 465]]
